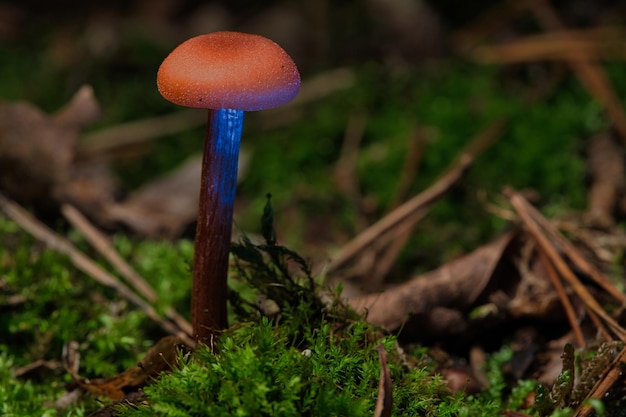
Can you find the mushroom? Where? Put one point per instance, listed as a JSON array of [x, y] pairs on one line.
[[227, 73]]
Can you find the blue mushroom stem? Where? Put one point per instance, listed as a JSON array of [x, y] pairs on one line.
[[214, 227]]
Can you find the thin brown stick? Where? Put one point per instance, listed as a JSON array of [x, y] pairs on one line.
[[145, 130], [345, 169], [521, 205], [590, 74], [574, 255], [597, 82], [56, 242], [390, 245], [497, 18], [103, 245], [394, 248], [421, 201], [567, 305], [562, 45], [139, 131], [345, 173], [604, 332], [384, 402], [414, 156]]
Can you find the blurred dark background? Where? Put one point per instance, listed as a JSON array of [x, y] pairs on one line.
[[48, 50], [319, 34]]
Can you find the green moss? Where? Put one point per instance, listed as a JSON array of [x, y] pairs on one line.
[[46, 303], [166, 266], [257, 372], [307, 359]]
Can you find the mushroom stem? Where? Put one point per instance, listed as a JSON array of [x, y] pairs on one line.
[[214, 228]]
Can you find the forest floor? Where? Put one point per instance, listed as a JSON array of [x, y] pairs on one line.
[[449, 210]]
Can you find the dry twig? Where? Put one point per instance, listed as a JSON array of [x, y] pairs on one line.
[[56, 242], [575, 256], [567, 304], [562, 45], [103, 245], [589, 72], [582, 61], [384, 402], [414, 156], [390, 227], [523, 208], [346, 178], [140, 131]]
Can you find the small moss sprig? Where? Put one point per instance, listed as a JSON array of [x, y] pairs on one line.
[[281, 275], [581, 371]]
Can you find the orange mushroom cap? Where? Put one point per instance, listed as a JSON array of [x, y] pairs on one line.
[[229, 70]]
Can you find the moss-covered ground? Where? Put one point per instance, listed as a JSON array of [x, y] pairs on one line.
[[316, 361]]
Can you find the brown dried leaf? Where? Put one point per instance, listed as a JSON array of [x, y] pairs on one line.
[[160, 358], [456, 285], [37, 150], [82, 110]]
